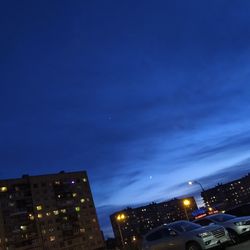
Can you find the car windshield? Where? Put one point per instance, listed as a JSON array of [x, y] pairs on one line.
[[222, 217], [185, 226]]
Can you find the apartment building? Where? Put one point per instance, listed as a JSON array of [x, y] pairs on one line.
[[54, 211]]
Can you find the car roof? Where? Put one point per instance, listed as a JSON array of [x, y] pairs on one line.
[[177, 222], [165, 225], [155, 229], [213, 215]]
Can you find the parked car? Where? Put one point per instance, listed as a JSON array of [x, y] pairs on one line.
[[242, 210], [236, 226], [185, 235]]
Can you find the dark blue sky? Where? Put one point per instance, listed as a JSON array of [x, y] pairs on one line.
[[144, 95]]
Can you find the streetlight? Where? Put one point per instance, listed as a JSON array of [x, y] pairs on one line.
[[198, 183], [39, 216], [119, 218], [186, 203], [202, 189]]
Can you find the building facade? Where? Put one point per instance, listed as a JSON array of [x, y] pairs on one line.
[[229, 195], [129, 225], [53, 211]]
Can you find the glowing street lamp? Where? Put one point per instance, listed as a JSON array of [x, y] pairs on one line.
[[202, 189], [198, 183], [120, 218], [186, 203]]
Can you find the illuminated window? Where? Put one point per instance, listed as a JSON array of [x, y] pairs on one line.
[[39, 208], [23, 228], [65, 218], [48, 213], [39, 216], [82, 200], [59, 196], [57, 182], [77, 209], [84, 180], [82, 230], [11, 204], [63, 211], [55, 212], [3, 189], [74, 194], [31, 217]]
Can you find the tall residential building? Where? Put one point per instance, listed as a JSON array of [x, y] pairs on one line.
[[226, 196], [54, 211], [130, 224]]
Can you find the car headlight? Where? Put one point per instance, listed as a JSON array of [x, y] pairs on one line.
[[205, 234], [240, 223]]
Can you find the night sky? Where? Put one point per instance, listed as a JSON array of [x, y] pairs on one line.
[[144, 95]]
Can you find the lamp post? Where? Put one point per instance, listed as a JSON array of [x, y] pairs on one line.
[[40, 232], [202, 189], [186, 204], [198, 183], [119, 218]]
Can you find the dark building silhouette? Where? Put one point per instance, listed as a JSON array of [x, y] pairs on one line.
[[53, 211], [138, 221], [231, 194], [111, 244]]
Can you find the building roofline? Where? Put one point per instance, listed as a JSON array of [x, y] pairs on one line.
[[24, 176], [227, 183], [150, 204]]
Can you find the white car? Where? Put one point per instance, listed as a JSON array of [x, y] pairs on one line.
[[236, 226], [185, 235]]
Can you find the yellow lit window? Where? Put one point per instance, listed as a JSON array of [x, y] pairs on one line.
[[84, 180], [63, 211], [23, 228], [39, 208], [55, 212], [40, 216], [31, 217], [52, 238], [77, 209], [48, 213], [74, 194], [82, 200], [3, 189], [82, 230]]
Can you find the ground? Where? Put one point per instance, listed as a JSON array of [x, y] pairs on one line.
[[242, 246]]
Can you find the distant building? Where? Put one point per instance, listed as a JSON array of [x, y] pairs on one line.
[[138, 221], [226, 196], [111, 244], [53, 211]]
